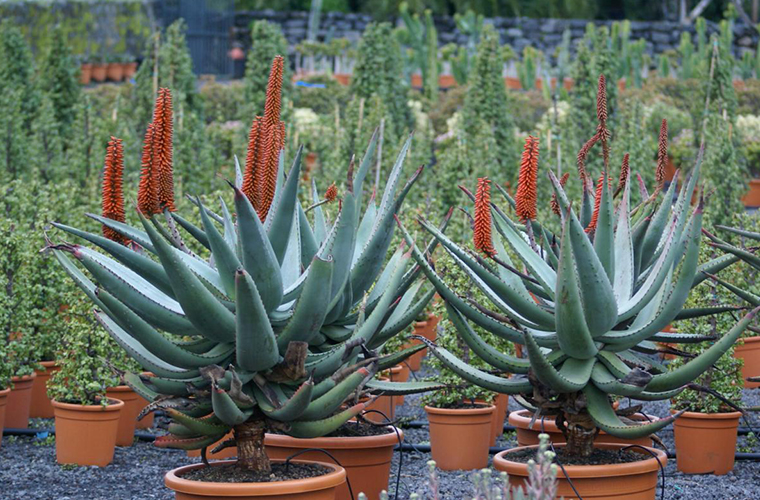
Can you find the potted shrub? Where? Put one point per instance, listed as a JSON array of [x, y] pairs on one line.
[[115, 69], [569, 303], [86, 421], [272, 340], [100, 69], [129, 66]]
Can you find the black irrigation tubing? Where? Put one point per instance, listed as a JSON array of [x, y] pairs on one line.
[[301, 452]]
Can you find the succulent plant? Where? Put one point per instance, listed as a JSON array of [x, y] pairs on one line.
[[279, 326], [591, 301]]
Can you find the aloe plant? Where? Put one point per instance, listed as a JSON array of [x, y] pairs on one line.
[[275, 327], [591, 301]]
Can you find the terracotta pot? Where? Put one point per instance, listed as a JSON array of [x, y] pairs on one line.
[[222, 455], [706, 442], [115, 72], [84, 434], [129, 69], [399, 373], [499, 416], [40, 405], [629, 481], [446, 81], [3, 402], [749, 350], [367, 459], [99, 72], [460, 438], [415, 360], [85, 73], [416, 81], [752, 198], [342, 78], [19, 402], [147, 420], [385, 405], [133, 405], [527, 436], [314, 488]]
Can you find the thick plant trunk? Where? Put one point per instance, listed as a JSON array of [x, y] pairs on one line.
[[250, 446], [579, 432]]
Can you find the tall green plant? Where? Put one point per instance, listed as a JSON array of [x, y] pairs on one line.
[[59, 80]]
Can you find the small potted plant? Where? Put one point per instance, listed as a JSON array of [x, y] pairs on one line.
[[129, 66], [582, 304], [114, 68], [100, 67], [86, 420]]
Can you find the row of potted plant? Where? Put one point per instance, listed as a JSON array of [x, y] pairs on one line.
[[112, 71]]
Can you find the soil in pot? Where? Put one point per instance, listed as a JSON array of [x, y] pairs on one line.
[[364, 450], [528, 436], [320, 487], [86, 434], [133, 405], [40, 405], [3, 402], [19, 402], [626, 479], [460, 436], [749, 350], [706, 442]]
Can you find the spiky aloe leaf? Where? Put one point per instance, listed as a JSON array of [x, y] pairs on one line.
[[198, 426], [257, 254], [327, 403], [255, 341], [184, 443], [604, 235], [225, 258], [226, 409], [206, 313], [317, 428], [193, 230], [572, 376], [606, 382], [283, 207], [403, 388], [388, 361], [291, 409], [713, 266]]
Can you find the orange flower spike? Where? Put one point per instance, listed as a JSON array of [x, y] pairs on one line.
[[554, 202], [662, 155], [272, 139], [625, 171], [597, 204], [250, 186], [601, 103], [162, 140], [113, 194], [481, 237], [331, 193], [525, 200], [147, 191], [275, 143], [274, 93]]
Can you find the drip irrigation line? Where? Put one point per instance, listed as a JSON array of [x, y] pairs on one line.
[[305, 450]]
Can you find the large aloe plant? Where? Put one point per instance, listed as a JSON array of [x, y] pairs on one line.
[[275, 327], [590, 303]]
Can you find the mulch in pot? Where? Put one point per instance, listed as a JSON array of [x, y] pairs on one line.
[[233, 474], [598, 457]]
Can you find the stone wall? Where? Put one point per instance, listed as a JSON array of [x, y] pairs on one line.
[[544, 34]]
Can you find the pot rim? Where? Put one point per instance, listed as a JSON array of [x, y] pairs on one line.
[[520, 417], [173, 480], [119, 388], [649, 464], [23, 378], [5, 392], [343, 443], [696, 415], [89, 408], [460, 411], [48, 364], [747, 340]]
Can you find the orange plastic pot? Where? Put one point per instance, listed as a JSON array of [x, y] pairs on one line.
[[314, 488], [367, 459], [40, 406], [386, 405], [749, 350], [115, 72], [19, 402], [86, 434], [133, 405], [99, 72], [147, 420], [3, 402], [415, 360], [460, 438], [399, 373], [629, 481], [528, 436], [129, 69], [752, 198], [85, 74], [499, 416], [706, 442]]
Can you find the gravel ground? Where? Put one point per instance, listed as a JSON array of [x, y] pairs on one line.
[[137, 472]]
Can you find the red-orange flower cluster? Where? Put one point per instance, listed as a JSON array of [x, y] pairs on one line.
[[602, 134], [554, 202], [156, 189], [625, 171], [597, 204], [525, 200], [331, 193], [265, 141], [113, 193], [481, 237], [662, 156]]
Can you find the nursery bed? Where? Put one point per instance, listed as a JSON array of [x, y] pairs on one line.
[[137, 472]]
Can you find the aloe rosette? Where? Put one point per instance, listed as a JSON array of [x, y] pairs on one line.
[[277, 326], [589, 306]]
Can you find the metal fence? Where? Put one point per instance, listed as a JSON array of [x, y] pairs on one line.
[[209, 31]]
